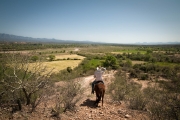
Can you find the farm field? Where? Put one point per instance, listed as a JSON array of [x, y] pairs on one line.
[[61, 65], [167, 64], [69, 56], [61, 62], [129, 51], [137, 62]]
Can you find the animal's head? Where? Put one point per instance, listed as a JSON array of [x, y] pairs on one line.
[[103, 68]]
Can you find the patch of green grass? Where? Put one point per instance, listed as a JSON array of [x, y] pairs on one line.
[[129, 51], [167, 64]]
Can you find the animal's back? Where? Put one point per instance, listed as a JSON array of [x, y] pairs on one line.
[[100, 87], [100, 90]]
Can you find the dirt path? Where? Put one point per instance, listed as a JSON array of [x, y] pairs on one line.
[[110, 111], [85, 109]]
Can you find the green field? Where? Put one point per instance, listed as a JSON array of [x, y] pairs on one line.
[[167, 64], [129, 51]]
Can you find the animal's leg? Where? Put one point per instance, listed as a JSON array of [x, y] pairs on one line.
[[99, 98], [96, 102], [102, 97]]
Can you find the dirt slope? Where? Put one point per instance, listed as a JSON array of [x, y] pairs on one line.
[[85, 107], [110, 111]]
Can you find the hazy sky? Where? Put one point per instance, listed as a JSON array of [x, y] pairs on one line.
[[112, 21]]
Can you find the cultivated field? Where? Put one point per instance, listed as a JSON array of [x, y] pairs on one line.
[[61, 65], [61, 62], [70, 56]]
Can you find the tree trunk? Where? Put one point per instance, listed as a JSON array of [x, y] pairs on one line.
[[19, 104], [28, 100]]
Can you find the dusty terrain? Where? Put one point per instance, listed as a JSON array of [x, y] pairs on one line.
[[85, 109]]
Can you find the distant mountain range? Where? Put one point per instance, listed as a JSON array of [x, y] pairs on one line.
[[14, 38], [157, 43]]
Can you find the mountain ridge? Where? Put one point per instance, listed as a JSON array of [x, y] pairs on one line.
[[15, 38]]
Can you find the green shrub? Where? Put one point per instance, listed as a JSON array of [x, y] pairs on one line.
[[143, 76], [110, 61], [134, 73], [34, 58], [51, 57]]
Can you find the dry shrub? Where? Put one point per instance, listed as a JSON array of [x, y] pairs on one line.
[[166, 107], [129, 91], [118, 89], [138, 101], [123, 89], [162, 105], [68, 95]]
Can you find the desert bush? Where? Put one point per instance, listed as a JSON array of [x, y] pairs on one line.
[[69, 69], [128, 63], [143, 76], [19, 84], [162, 104], [68, 95], [118, 88], [34, 58], [122, 89], [166, 107], [168, 71], [51, 57], [134, 73], [138, 101]]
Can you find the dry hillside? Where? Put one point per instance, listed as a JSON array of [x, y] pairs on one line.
[[85, 109]]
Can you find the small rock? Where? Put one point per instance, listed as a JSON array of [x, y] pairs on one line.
[[101, 112], [127, 116]]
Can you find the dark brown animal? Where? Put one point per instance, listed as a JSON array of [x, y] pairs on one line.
[[100, 90]]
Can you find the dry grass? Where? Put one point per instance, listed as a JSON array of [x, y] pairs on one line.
[[137, 62], [57, 66], [71, 56], [53, 66], [60, 65]]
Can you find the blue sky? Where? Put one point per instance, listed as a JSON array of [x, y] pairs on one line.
[[111, 21]]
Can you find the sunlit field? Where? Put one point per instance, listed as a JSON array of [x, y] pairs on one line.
[[167, 64], [56, 66], [61, 63], [71, 56], [129, 51], [137, 62]]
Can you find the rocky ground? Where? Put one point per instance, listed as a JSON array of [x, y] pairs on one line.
[[110, 110], [85, 109]]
